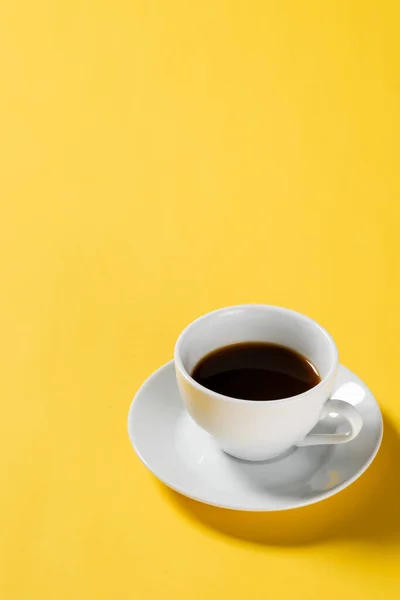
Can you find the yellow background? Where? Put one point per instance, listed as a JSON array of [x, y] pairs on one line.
[[160, 159]]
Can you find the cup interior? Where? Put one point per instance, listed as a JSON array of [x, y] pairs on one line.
[[256, 323]]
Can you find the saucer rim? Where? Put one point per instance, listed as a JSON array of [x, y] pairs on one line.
[[308, 502]]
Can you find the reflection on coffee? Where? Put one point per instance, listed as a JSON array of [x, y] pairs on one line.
[[256, 371]]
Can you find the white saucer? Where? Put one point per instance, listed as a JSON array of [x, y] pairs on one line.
[[187, 459]]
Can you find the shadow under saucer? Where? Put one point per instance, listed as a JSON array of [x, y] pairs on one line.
[[367, 510]]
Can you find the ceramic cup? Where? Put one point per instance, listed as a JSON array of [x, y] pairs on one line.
[[261, 430]]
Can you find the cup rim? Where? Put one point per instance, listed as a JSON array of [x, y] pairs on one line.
[[179, 363]]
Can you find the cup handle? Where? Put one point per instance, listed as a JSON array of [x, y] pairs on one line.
[[345, 409]]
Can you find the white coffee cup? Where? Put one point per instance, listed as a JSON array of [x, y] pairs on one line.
[[261, 430]]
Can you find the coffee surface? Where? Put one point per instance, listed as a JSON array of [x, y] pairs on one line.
[[256, 371]]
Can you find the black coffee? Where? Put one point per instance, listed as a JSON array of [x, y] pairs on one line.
[[256, 371]]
